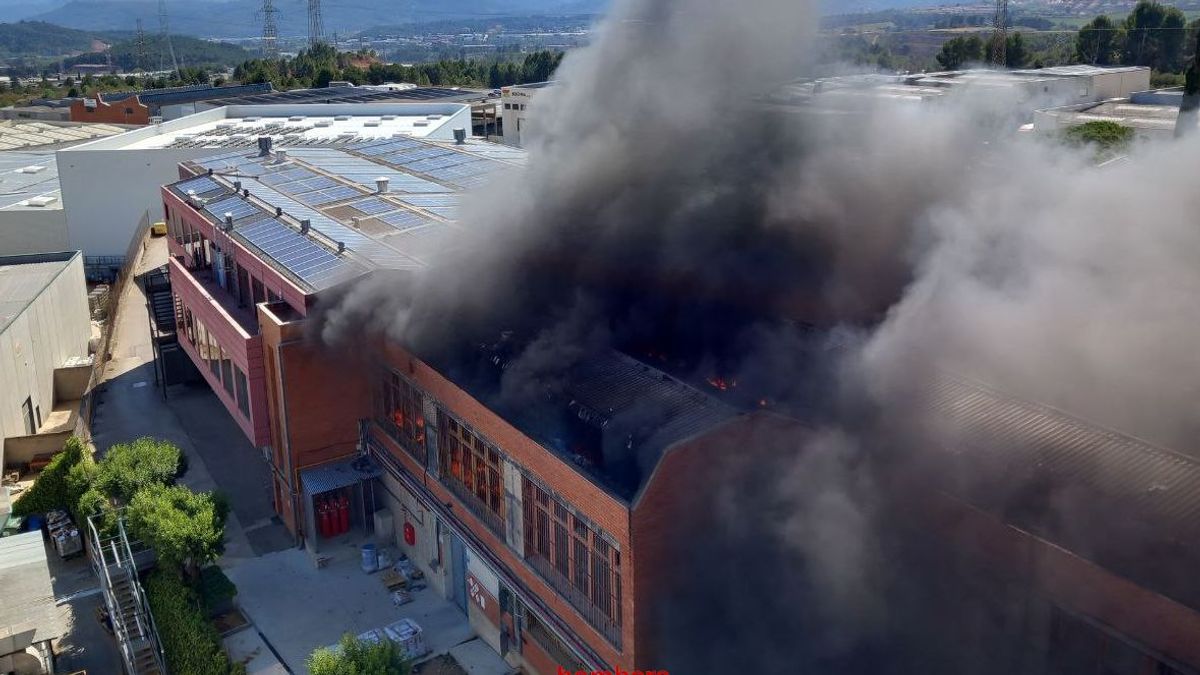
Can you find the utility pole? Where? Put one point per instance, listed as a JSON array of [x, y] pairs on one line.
[[140, 48], [270, 33], [316, 28], [166, 38], [999, 56]]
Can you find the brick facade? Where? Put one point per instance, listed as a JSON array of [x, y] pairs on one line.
[[125, 111]]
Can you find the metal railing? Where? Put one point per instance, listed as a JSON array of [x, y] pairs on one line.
[[122, 565], [596, 617]]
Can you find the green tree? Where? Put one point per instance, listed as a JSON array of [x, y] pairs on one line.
[[186, 529], [189, 641], [356, 657], [1155, 36], [53, 488], [1100, 42], [129, 467], [960, 51], [1016, 54]]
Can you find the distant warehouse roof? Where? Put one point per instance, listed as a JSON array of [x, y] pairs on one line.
[[354, 95]]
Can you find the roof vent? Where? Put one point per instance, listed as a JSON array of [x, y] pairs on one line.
[[210, 171], [371, 123], [251, 119], [278, 211], [356, 221], [381, 185], [281, 156], [388, 118], [305, 226], [264, 146], [228, 221], [41, 201], [460, 135], [433, 117], [420, 123], [33, 168], [342, 118], [296, 118], [321, 124], [341, 247], [237, 185], [246, 193], [191, 194]]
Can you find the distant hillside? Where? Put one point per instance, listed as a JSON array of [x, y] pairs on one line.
[[191, 52], [238, 18], [510, 24], [37, 38]]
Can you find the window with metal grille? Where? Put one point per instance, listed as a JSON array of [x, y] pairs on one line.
[[398, 410], [575, 557], [471, 468]]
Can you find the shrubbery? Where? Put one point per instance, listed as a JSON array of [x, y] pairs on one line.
[[186, 529], [189, 641], [356, 657], [55, 488]]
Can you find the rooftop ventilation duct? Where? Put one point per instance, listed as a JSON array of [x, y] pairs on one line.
[[388, 118], [341, 247], [228, 221], [281, 156], [264, 146], [381, 185], [305, 226], [278, 211], [342, 118], [237, 185], [296, 118], [460, 135], [371, 123], [41, 201]]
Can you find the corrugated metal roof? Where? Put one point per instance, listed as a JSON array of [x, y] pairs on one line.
[[1034, 444], [337, 475], [27, 610]]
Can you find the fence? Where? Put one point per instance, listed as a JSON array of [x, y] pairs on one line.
[[108, 309]]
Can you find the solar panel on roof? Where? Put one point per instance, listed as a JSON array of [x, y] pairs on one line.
[[432, 200], [402, 220], [201, 185], [373, 206], [336, 194], [239, 208], [295, 252]]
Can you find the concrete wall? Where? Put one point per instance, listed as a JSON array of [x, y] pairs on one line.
[[106, 192], [33, 231], [1119, 83], [53, 328]]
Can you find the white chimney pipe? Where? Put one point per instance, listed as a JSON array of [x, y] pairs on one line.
[[381, 185]]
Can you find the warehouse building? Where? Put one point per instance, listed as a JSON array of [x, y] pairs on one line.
[[1151, 114], [553, 546], [44, 363], [110, 186]]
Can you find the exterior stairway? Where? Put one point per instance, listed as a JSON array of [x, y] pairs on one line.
[[133, 625]]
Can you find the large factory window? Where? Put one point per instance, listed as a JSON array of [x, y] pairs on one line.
[[471, 468], [398, 411], [575, 558]]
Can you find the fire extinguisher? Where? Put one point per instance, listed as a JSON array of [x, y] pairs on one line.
[[326, 520], [344, 513], [410, 534]]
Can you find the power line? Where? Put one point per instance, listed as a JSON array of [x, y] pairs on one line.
[[1000, 34], [166, 37], [316, 28], [270, 33], [140, 48]]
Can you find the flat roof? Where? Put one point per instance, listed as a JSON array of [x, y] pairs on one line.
[[20, 134], [26, 176], [24, 277], [292, 124], [334, 189], [28, 614], [1154, 117], [353, 94]]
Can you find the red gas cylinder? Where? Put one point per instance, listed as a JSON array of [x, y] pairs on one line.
[[410, 534], [325, 518], [344, 513]]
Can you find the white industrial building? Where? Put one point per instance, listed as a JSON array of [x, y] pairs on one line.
[[515, 104], [1028, 90], [44, 364], [1151, 114], [111, 186]]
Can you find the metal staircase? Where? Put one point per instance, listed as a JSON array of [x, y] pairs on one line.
[[133, 625]]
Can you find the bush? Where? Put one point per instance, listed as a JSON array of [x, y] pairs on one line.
[[129, 467], [53, 488], [190, 643], [1101, 132], [356, 657], [216, 590], [186, 529]]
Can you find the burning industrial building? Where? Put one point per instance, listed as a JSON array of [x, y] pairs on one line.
[[701, 384]]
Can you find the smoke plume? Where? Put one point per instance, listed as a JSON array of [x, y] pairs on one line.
[[830, 263]]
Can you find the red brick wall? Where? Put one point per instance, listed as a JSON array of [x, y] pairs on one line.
[[111, 113], [601, 507]]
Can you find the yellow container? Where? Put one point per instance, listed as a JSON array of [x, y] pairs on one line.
[[158, 229]]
